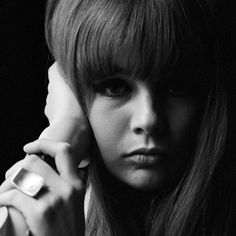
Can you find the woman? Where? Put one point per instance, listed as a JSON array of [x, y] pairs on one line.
[[146, 75]]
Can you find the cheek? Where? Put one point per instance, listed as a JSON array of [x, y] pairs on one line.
[[109, 126], [181, 116]]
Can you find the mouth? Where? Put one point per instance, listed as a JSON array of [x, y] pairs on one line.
[[145, 157]]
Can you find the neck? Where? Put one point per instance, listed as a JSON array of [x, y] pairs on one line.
[[137, 202], [133, 206]]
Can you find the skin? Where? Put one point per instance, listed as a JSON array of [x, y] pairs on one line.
[[59, 209], [137, 118], [127, 114]]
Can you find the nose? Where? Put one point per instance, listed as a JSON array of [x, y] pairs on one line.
[[146, 116]]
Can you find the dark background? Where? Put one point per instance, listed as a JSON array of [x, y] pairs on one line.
[[23, 77], [24, 61]]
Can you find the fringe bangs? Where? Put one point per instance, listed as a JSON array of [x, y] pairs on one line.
[[144, 39], [138, 39]]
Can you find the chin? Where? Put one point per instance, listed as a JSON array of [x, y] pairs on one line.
[[145, 180]]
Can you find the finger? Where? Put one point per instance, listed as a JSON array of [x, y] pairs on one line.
[[15, 198], [36, 165], [5, 186], [10, 184], [33, 212], [63, 154], [63, 189], [13, 169]]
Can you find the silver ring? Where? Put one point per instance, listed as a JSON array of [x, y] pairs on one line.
[[27, 182]]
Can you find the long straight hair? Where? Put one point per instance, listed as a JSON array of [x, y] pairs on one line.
[[91, 39]]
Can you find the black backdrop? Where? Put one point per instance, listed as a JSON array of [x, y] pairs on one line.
[[23, 77], [24, 61]]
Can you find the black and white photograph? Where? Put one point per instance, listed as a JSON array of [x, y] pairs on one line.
[[117, 118]]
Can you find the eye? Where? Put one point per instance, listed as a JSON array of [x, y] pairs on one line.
[[180, 89], [113, 88]]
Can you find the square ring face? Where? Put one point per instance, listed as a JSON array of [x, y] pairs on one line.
[[27, 182]]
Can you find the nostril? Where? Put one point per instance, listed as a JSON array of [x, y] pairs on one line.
[[159, 127]]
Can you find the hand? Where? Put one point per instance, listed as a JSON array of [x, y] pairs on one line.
[[59, 209], [61, 102], [67, 123]]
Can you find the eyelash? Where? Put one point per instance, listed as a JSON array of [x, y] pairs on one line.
[[120, 88]]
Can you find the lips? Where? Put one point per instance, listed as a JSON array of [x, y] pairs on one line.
[[145, 156], [146, 151]]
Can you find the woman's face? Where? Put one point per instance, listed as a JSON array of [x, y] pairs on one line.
[[144, 131]]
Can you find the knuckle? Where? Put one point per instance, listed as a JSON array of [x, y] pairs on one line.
[[42, 210], [39, 143], [65, 148], [78, 185], [48, 209], [12, 169], [13, 195], [68, 192], [30, 160], [7, 173], [56, 203]]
